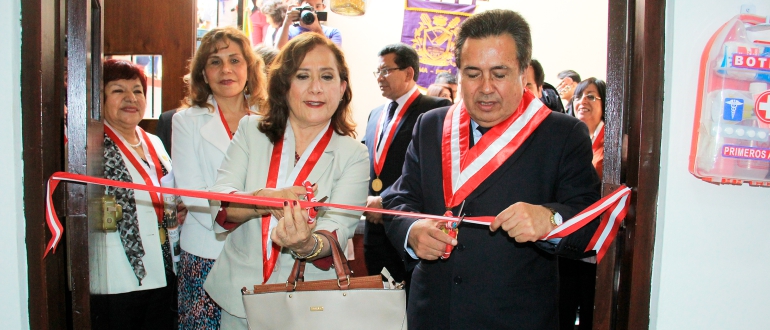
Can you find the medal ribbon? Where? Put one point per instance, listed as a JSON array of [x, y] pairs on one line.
[[463, 169], [145, 171], [603, 238], [224, 122], [278, 164], [380, 149], [230, 133]]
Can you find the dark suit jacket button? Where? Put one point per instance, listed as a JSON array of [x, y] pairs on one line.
[[458, 279], [460, 247]]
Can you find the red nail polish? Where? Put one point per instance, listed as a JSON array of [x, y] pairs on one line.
[[295, 203], [285, 203]]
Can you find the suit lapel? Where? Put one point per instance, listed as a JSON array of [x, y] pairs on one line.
[[415, 105], [325, 160], [214, 132]]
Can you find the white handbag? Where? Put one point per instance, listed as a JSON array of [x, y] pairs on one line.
[[342, 303]]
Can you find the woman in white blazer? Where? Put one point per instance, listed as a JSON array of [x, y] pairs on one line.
[[305, 135], [132, 290], [226, 83]]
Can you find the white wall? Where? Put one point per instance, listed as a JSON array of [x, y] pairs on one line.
[[14, 313], [557, 43], [710, 268]]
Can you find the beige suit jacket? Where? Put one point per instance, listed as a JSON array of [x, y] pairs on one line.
[[342, 174]]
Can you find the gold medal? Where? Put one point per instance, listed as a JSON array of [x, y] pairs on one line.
[[377, 184]]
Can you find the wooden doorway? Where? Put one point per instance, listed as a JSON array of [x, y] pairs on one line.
[[635, 77], [634, 111]]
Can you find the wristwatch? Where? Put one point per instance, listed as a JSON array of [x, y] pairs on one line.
[[556, 218]]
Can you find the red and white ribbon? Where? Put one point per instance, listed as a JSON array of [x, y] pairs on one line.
[[618, 201]]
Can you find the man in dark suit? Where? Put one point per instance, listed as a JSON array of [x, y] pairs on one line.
[[388, 134], [531, 169], [544, 91], [163, 130]]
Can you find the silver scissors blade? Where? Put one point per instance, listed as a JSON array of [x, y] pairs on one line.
[[321, 209], [462, 215]]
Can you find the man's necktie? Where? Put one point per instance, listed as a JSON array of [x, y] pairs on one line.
[[391, 111], [480, 129]]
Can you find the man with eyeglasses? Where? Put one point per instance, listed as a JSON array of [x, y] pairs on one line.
[[289, 30], [388, 134], [501, 154]]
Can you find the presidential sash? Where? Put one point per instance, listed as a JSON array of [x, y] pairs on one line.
[[464, 169]]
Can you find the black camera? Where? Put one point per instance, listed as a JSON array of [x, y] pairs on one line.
[[307, 17]]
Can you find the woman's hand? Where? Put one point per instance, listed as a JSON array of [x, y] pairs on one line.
[[181, 211], [289, 193], [293, 231]]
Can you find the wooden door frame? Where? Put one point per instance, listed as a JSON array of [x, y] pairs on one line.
[[635, 107], [635, 72], [42, 105]]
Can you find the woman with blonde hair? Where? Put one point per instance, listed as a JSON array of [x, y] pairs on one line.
[[226, 83], [305, 134]]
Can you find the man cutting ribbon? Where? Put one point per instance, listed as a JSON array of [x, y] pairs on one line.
[[530, 169]]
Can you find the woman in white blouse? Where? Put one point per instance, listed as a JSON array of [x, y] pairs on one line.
[[134, 289], [226, 83]]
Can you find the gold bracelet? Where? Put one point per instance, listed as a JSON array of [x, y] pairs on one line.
[[315, 245], [320, 247]]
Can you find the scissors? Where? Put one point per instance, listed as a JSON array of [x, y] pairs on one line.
[[452, 230]]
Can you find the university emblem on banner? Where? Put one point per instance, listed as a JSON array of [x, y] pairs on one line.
[[431, 28], [434, 39]]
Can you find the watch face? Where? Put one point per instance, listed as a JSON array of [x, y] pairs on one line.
[[558, 219]]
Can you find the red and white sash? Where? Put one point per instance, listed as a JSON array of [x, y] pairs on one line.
[[279, 176], [597, 140], [381, 146], [463, 169], [151, 173]]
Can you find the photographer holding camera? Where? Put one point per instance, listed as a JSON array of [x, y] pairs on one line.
[[306, 18]]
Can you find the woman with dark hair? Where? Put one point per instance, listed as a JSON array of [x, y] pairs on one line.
[[440, 91], [305, 134], [577, 278], [588, 103], [136, 289], [226, 83]]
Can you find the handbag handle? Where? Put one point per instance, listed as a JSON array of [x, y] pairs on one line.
[[340, 265]]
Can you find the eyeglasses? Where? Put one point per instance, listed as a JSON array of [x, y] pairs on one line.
[[589, 97], [385, 72]]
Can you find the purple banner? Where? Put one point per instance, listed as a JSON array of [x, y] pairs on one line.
[[431, 27]]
